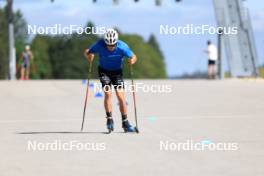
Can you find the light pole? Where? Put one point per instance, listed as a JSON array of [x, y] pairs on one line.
[[221, 71], [11, 41]]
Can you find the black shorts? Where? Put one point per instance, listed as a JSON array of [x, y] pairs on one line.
[[25, 65], [108, 78], [211, 62]]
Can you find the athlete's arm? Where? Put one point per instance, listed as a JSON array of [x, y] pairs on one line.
[[88, 56], [31, 55], [132, 60], [89, 53]]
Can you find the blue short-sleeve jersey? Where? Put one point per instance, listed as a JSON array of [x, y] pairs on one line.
[[111, 60]]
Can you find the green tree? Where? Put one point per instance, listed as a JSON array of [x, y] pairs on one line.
[[41, 67], [153, 42], [4, 45]]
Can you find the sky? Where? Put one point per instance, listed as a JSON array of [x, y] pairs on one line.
[[183, 53]]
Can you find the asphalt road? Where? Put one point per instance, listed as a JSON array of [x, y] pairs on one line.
[[40, 130]]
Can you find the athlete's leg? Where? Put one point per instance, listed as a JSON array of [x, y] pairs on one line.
[[22, 73], [106, 85], [122, 102], [210, 70], [214, 71], [108, 108], [123, 109], [118, 83], [27, 72], [108, 100]]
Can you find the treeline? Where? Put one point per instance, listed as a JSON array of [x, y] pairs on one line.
[[61, 56]]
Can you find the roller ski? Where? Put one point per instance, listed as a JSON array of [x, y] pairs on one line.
[[128, 128], [110, 125]]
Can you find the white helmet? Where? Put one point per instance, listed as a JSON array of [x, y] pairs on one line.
[[110, 37], [27, 47]]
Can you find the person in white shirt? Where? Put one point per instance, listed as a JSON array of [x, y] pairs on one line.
[[212, 59]]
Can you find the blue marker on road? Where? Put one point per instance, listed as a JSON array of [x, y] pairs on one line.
[[206, 142], [152, 119], [84, 81], [91, 85], [98, 95]]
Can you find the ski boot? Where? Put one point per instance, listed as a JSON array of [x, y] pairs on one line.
[[110, 125], [128, 128]]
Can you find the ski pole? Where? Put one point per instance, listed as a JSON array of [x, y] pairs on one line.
[[87, 93], [134, 95]]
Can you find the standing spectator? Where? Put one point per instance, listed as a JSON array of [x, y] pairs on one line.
[[212, 59], [26, 57]]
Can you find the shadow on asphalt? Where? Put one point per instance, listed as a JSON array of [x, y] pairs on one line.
[[61, 132], [71, 132]]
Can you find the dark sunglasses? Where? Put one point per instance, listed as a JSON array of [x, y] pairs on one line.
[[111, 46]]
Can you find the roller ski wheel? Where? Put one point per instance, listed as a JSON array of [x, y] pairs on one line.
[[110, 125], [129, 128]]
